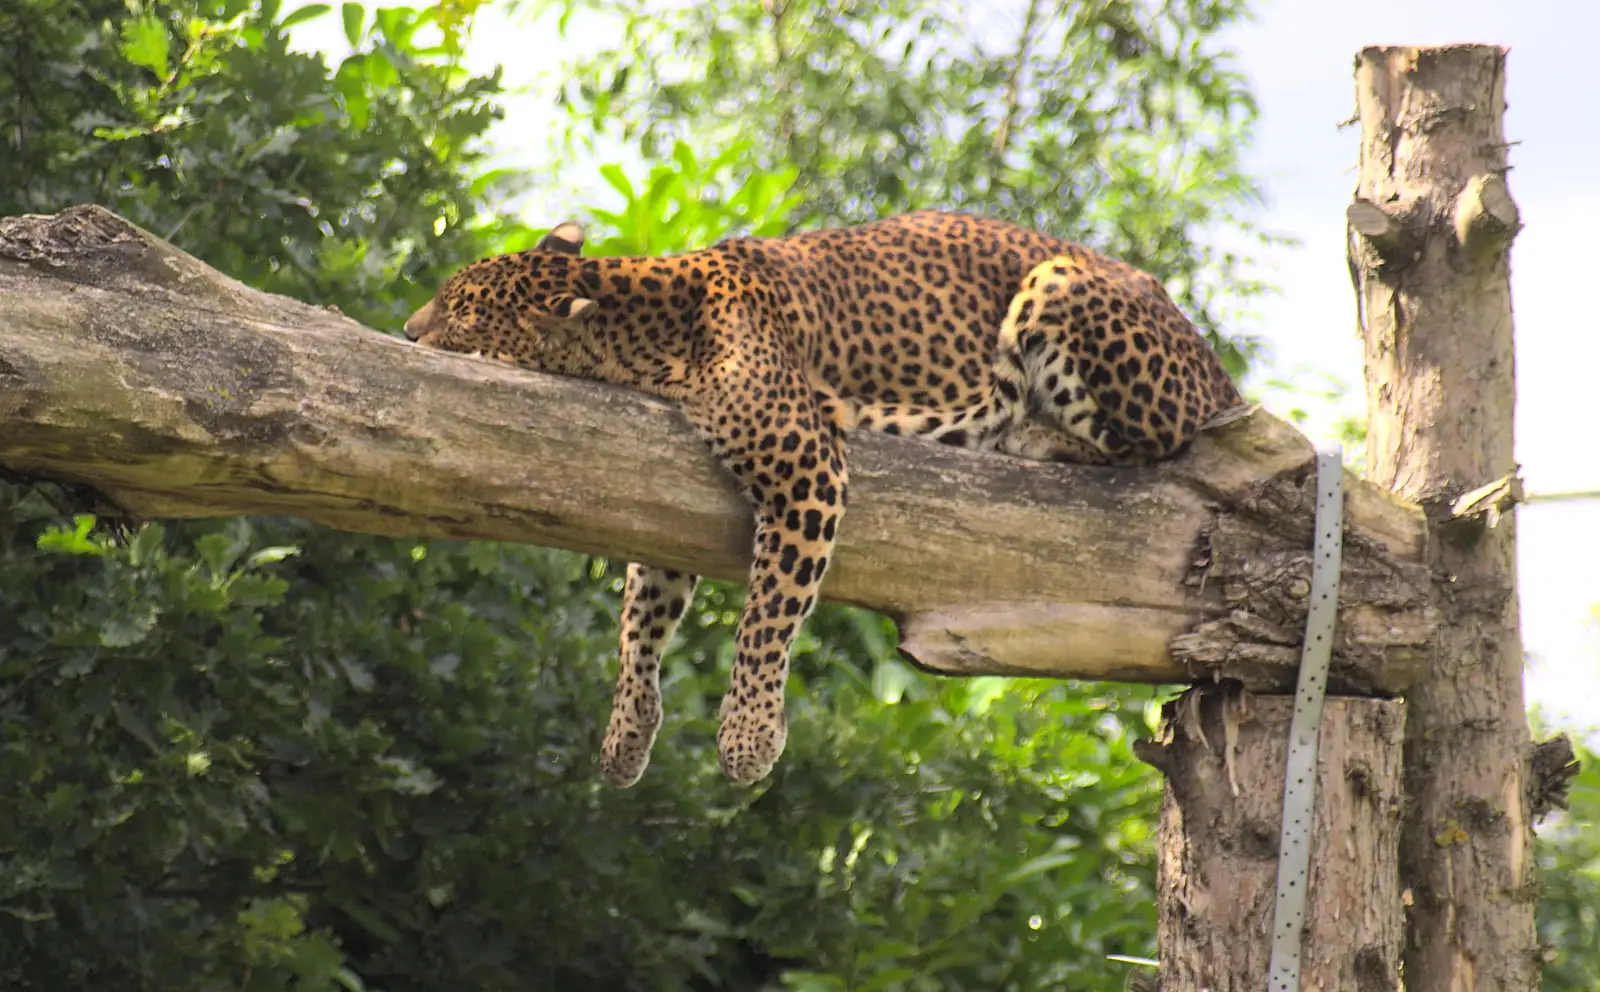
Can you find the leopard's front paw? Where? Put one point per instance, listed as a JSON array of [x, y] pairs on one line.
[[750, 742], [623, 762], [625, 753]]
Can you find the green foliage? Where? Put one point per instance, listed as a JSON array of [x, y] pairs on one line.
[[1569, 866], [197, 121], [1117, 123], [264, 756], [685, 203]]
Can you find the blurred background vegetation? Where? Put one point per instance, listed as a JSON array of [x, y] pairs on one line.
[[260, 755]]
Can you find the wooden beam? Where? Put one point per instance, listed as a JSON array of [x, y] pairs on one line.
[[172, 391]]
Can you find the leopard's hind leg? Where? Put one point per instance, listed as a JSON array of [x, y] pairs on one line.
[[1113, 371], [653, 602]]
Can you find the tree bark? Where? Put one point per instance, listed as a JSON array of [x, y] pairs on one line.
[[1224, 753], [1435, 306], [172, 391]]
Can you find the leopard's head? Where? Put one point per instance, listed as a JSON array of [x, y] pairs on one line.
[[522, 308]]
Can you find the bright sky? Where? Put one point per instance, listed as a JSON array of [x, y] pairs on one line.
[[1300, 56]]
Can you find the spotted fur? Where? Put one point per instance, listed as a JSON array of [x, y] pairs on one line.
[[969, 331]]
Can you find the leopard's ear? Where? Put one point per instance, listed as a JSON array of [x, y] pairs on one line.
[[566, 238], [572, 307]]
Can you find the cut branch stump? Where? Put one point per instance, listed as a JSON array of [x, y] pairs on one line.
[[1223, 752]]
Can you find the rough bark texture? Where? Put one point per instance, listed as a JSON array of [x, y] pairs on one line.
[[1435, 305], [1224, 752], [172, 391]]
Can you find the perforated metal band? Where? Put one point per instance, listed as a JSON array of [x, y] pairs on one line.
[[1300, 779]]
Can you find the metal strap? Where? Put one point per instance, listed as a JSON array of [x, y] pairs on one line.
[[1300, 779]]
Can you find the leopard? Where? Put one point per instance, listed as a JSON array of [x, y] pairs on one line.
[[951, 327]]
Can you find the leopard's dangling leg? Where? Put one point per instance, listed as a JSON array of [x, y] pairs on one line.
[[653, 602], [764, 423]]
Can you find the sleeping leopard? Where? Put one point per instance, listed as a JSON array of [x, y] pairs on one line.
[[969, 331]]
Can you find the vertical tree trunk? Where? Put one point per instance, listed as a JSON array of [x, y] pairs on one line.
[[1224, 753], [1431, 229]]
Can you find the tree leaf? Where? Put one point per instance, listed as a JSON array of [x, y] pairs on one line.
[[355, 17], [127, 629], [77, 541], [267, 556], [306, 13], [145, 43], [351, 83]]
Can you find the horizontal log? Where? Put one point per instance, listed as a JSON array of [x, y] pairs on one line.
[[173, 391]]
